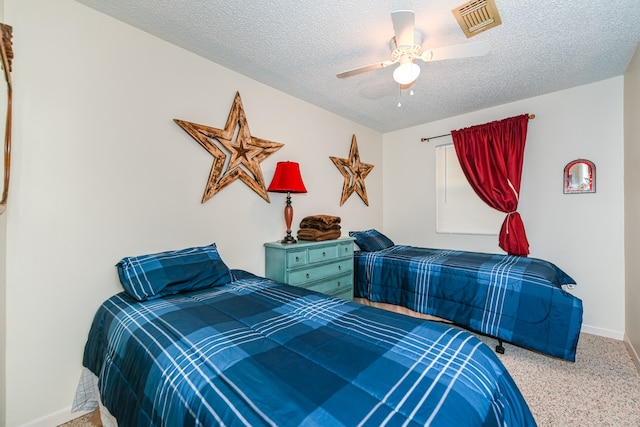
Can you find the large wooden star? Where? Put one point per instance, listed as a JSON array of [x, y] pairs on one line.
[[243, 151], [354, 173]]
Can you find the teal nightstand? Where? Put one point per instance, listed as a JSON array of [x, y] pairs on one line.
[[325, 267]]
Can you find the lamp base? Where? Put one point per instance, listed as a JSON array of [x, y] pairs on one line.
[[288, 217], [288, 239]]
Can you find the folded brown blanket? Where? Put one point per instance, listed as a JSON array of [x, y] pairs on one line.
[[318, 235], [321, 228], [321, 222]]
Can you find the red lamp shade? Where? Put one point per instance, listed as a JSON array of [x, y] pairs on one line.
[[287, 179]]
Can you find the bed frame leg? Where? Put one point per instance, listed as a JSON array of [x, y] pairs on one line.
[[500, 347]]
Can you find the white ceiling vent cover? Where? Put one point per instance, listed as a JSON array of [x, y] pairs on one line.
[[477, 16]]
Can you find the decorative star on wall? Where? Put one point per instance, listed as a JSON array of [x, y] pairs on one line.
[[243, 151], [354, 173]]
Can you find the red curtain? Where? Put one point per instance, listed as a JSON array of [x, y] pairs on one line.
[[491, 157]]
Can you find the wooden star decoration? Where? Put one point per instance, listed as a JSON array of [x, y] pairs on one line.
[[241, 152], [354, 173]]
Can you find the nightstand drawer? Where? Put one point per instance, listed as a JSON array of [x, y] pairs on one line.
[[338, 285], [300, 277], [345, 249], [296, 258], [323, 254]]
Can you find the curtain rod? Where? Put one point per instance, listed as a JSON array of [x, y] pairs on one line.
[[531, 117]]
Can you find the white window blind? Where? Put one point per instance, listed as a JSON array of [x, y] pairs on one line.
[[459, 210]]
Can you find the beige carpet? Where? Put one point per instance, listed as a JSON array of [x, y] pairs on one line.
[[602, 388], [89, 420]]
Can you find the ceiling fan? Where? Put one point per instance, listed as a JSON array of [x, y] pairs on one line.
[[406, 47]]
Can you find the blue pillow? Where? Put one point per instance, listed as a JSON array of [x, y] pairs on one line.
[[152, 276], [371, 240]]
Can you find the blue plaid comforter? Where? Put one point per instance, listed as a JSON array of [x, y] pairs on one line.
[[517, 299], [257, 352]]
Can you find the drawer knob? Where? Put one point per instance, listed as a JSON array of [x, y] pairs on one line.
[[324, 253], [339, 283], [307, 275], [339, 267], [297, 259]]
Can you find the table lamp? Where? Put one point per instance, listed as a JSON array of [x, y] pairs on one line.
[[287, 179]]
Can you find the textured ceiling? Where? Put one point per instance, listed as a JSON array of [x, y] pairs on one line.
[[298, 47]]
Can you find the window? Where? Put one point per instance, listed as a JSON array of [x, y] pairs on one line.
[[458, 209]]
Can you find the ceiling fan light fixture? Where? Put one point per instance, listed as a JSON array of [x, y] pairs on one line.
[[406, 73]]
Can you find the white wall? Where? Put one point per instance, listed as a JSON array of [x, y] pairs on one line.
[[101, 171], [3, 317], [632, 200], [582, 234]]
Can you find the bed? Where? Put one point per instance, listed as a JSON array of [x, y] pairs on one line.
[[246, 350], [520, 300]]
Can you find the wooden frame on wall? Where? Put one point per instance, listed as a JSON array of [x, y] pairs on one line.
[[6, 52], [354, 172]]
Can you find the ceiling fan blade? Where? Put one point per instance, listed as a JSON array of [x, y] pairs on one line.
[[456, 51], [365, 69], [404, 22]]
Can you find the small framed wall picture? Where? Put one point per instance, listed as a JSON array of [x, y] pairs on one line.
[[579, 177]]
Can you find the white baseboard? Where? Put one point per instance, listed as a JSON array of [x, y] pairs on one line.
[[607, 333], [55, 419], [620, 336]]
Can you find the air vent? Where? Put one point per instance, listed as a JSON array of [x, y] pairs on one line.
[[477, 16]]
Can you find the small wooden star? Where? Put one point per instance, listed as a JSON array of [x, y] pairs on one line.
[[245, 152], [354, 173]]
